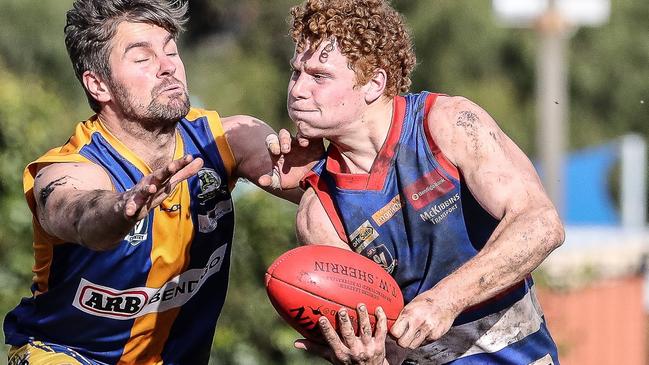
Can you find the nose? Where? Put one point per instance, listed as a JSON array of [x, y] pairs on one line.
[[297, 88], [167, 66]]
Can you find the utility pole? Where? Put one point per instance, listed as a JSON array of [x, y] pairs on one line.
[[552, 101], [554, 21]]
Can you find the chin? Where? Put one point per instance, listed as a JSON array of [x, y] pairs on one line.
[[306, 131], [294, 117]]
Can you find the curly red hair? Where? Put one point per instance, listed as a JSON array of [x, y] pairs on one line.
[[370, 33]]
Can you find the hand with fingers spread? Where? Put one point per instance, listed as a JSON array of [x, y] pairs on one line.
[[292, 158], [423, 321], [347, 348], [154, 188]]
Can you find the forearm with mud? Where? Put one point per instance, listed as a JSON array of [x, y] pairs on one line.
[[516, 248], [96, 218]]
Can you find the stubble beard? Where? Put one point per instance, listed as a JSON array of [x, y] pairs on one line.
[[156, 114]]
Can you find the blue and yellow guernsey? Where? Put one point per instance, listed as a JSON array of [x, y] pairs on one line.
[[156, 297], [414, 215]]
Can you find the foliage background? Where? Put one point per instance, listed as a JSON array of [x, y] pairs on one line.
[[236, 54]]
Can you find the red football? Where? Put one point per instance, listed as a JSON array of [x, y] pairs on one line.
[[316, 280]]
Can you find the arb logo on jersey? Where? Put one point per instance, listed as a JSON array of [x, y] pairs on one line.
[[101, 300], [126, 304]]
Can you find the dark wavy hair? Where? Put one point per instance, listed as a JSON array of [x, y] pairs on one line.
[[370, 33], [91, 25]]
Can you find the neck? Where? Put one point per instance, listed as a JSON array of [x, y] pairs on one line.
[[154, 145], [361, 142]]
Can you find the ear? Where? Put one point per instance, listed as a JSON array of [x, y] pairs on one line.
[[96, 87], [376, 86]]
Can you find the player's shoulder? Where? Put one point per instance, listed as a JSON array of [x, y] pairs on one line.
[[449, 107], [88, 174], [455, 120], [452, 113]]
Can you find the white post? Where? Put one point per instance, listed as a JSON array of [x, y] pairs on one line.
[[552, 99], [554, 20], [633, 181]]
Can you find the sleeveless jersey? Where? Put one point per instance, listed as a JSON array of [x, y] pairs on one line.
[[414, 215], [156, 297]]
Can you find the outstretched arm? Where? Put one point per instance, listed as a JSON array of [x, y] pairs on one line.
[[255, 159], [76, 202], [504, 182]]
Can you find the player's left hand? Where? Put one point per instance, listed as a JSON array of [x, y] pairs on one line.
[[365, 349], [155, 187], [422, 321]]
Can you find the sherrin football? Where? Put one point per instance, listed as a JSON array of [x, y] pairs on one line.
[[311, 281]]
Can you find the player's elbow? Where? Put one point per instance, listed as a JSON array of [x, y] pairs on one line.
[[554, 232]]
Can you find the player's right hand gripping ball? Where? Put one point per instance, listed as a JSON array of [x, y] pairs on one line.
[[311, 281]]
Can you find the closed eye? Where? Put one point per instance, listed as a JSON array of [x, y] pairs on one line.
[[319, 78]]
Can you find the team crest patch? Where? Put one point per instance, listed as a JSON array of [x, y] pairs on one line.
[[363, 236], [139, 233], [209, 182], [382, 256], [427, 189]]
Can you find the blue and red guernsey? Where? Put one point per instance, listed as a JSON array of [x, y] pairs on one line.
[[414, 215], [156, 297]]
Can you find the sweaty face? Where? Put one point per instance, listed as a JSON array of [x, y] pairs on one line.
[[323, 98], [148, 82]]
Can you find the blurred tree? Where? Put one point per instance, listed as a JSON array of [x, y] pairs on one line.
[[31, 43], [246, 60], [33, 119], [460, 51], [609, 75]]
